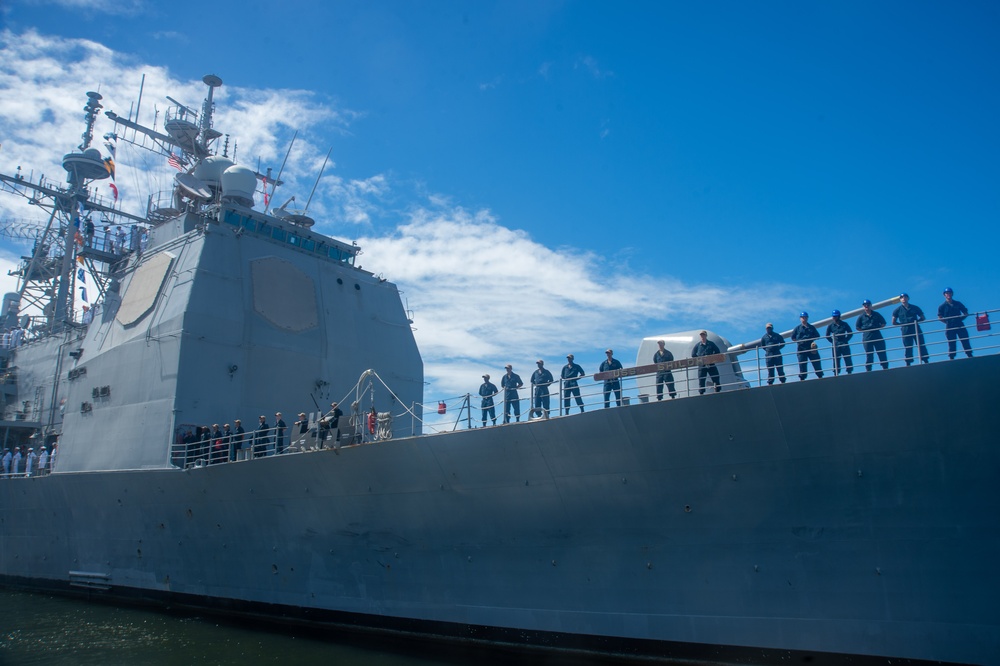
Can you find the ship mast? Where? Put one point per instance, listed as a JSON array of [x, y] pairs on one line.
[[47, 277]]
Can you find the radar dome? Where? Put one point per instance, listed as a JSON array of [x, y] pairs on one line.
[[238, 184], [210, 169]]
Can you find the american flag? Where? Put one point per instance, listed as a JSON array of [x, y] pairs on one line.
[[175, 162]]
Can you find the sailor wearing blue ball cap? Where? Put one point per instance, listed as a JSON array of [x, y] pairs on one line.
[[870, 322], [953, 314], [908, 316], [839, 333], [805, 334]]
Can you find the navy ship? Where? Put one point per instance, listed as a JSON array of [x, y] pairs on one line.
[[848, 517]]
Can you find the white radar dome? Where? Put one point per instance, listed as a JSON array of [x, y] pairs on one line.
[[210, 169], [238, 184]]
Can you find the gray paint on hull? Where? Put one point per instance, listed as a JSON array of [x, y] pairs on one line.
[[854, 514]]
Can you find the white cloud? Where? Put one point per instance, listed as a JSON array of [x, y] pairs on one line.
[[484, 294], [112, 7]]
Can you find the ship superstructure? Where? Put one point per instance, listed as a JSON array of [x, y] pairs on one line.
[[206, 309]]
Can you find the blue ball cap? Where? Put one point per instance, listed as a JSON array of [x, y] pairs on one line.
[[949, 290], [904, 295], [804, 314], [866, 302], [835, 313]]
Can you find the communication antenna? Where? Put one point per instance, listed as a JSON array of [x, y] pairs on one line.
[[274, 183], [322, 168]]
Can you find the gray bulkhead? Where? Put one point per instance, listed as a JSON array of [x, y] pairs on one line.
[[214, 325]]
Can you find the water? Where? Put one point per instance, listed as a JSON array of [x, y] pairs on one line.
[[42, 629]]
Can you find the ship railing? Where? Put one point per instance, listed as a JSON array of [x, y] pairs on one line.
[[926, 342], [193, 449], [737, 373]]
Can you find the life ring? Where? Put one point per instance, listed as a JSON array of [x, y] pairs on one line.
[[371, 422]]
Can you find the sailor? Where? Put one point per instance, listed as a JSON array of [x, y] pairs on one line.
[[238, 437], [31, 462], [953, 314], [43, 461], [219, 451], [302, 428], [88, 233], [611, 385], [487, 391], [540, 381], [227, 442], [908, 317], [870, 322], [510, 382], [120, 240], [205, 443], [261, 437], [15, 462], [330, 423], [772, 343], [805, 334], [839, 334], [571, 372], [279, 433], [663, 355], [706, 347], [7, 456]]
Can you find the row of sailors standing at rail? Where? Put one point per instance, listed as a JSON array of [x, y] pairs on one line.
[[217, 444], [571, 373], [116, 241], [839, 333], [28, 464]]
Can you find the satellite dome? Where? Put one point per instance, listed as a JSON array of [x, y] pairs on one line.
[[210, 169], [238, 184]]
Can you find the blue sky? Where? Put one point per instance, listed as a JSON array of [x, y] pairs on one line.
[[544, 177]]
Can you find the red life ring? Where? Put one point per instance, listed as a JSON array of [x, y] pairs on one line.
[[371, 423]]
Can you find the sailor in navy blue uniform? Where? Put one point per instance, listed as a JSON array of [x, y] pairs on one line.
[[261, 438], [839, 334], [570, 373], [487, 390], [806, 335], [772, 343], [707, 348], [870, 322], [540, 380], [611, 385], [953, 314], [909, 316], [510, 382], [663, 355]]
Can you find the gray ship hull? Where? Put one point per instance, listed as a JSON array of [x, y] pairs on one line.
[[850, 516]]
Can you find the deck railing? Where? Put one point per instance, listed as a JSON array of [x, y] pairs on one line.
[[749, 370]]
